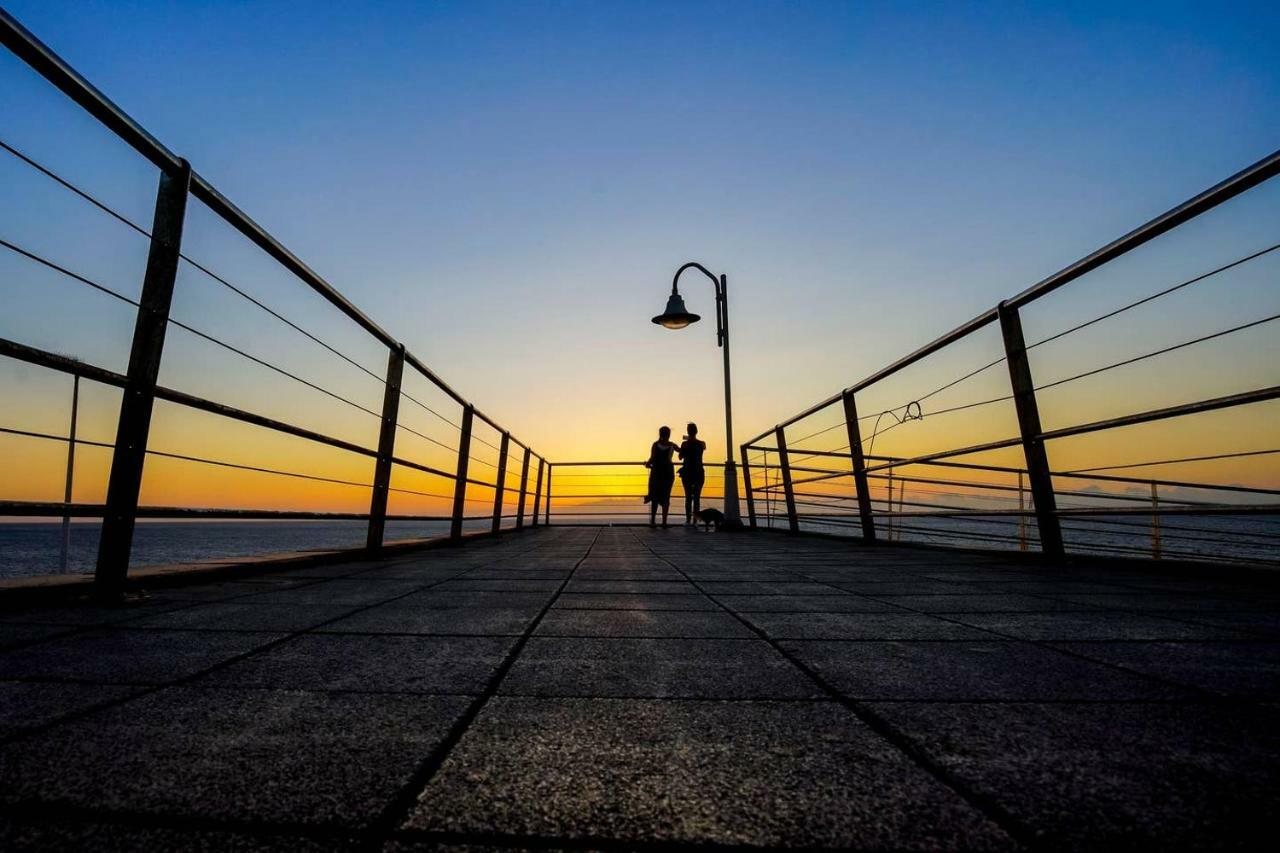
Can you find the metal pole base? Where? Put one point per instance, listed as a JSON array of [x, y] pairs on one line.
[[731, 510]]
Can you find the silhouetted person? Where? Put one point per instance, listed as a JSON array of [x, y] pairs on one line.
[[692, 474], [662, 475]]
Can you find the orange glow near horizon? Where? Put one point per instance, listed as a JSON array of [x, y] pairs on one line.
[[34, 468]]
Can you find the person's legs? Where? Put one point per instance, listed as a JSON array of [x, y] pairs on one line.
[[690, 503], [696, 497]]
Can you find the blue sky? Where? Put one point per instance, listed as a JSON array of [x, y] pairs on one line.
[[508, 187]]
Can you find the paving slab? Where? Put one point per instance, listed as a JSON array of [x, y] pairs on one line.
[[1259, 624], [58, 833], [289, 756], [350, 592], [630, 601], [120, 656], [970, 671], [798, 587], [860, 626], [86, 613], [748, 773], [439, 665], [14, 634], [434, 598], [1053, 587], [835, 602], [25, 704], [395, 618], [245, 616], [422, 574], [981, 603], [717, 669], [623, 724], [642, 623], [664, 574], [1093, 626], [227, 590], [489, 573], [467, 584], [901, 587], [1155, 600], [663, 587], [744, 574], [1113, 776], [1239, 669]]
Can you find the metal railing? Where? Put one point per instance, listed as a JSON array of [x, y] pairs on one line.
[[489, 479], [946, 497], [517, 472], [612, 493]]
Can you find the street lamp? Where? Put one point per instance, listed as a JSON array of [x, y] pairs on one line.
[[677, 317]]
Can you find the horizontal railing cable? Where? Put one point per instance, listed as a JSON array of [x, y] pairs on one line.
[[226, 464], [280, 370], [1100, 318], [51, 436], [1156, 295], [193, 262], [68, 273], [1209, 458], [202, 268], [1159, 352], [184, 326]]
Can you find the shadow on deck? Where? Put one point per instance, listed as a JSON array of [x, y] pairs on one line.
[[578, 688]]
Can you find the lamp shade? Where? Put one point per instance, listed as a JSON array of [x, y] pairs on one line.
[[676, 316]]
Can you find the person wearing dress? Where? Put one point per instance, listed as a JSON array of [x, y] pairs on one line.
[[692, 474], [662, 476]]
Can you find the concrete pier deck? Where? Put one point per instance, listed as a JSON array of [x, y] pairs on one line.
[[621, 688]]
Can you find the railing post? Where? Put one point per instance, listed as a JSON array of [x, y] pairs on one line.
[[1022, 518], [501, 483], [460, 473], [65, 557], [138, 399], [547, 509], [889, 512], [524, 487], [784, 465], [537, 492], [1024, 399], [860, 485], [386, 450], [746, 485], [1156, 544]]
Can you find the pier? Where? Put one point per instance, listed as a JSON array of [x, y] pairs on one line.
[[959, 608], [611, 688]]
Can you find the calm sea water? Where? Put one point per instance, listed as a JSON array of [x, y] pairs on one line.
[[34, 548], [1247, 538]]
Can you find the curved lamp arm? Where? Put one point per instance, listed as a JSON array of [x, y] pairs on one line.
[[719, 286]]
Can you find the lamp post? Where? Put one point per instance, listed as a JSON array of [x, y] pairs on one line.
[[677, 317]]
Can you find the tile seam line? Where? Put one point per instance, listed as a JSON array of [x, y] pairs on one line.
[[1048, 645], [151, 689], [984, 805], [188, 604], [42, 814], [400, 807], [1044, 645]]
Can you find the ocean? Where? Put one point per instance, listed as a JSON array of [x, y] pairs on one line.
[[1212, 538], [34, 548]]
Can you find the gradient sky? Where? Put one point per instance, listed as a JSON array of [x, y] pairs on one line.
[[508, 188]]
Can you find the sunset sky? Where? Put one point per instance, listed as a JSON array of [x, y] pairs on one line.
[[507, 188]]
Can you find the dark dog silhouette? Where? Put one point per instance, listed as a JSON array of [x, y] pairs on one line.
[[715, 518]]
